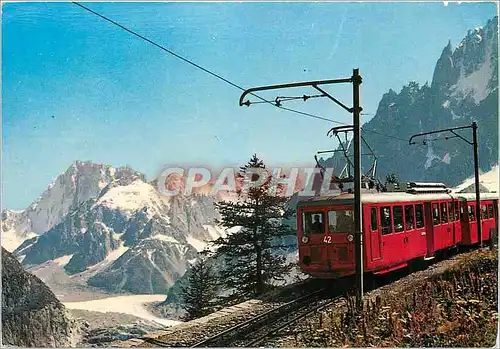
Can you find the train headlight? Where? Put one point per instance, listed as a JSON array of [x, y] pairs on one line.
[[350, 238], [305, 239]]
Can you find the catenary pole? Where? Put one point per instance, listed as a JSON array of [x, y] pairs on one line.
[[356, 80], [476, 180], [358, 231]]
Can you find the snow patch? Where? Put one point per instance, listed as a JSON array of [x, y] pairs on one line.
[[11, 240], [165, 238], [446, 158], [197, 244], [430, 156], [133, 305], [150, 257], [489, 179], [234, 229], [62, 261], [131, 198], [475, 84], [446, 104], [455, 116], [215, 231]]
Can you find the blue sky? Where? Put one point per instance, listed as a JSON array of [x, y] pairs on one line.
[[76, 87]]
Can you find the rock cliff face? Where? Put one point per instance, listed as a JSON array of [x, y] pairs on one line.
[[464, 89], [31, 314]]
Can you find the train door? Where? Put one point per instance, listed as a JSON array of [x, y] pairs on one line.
[[485, 222], [416, 242], [464, 222], [392, 233], [373, 228], [447, 234], [439, 229], [471, 212], [454, 210], [429, 229]]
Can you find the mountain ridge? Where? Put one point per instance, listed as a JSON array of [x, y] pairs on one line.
[[155, 236], [464, 89]]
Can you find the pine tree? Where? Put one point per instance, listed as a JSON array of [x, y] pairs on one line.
[[391, 178], [200, 291], [248, 255]]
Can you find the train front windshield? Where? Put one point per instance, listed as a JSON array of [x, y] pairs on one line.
[[332, 221], [340, 221]]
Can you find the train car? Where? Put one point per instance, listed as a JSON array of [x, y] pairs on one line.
[[489, 217], [397, 227]]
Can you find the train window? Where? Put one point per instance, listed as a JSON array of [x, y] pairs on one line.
[[313, 223], [490, 211], [451, 212], [472, 214], [484, 212], [340, 221], [419, 215], [398, 218], [435, 214], [409, 217], [385, 220], [444, 213], [373, 218]]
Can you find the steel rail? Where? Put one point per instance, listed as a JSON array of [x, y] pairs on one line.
[[256, 320], [318, 307]]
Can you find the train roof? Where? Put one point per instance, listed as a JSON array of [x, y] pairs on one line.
[[390, 197]]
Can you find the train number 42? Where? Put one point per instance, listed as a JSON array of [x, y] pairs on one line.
[[327, 239]]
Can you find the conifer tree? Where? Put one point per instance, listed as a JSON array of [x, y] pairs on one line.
[[249, 257], [200, 291], [391, 178]]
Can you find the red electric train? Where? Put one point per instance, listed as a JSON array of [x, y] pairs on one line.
[[398, 227]]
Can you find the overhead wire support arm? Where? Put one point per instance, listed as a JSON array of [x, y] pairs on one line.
[[350, 110], [441, 131], [290, 85], [474, 144], [336, 129], [459, 136]]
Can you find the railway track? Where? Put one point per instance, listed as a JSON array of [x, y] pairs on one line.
[[256, 329], [240, 332], [252, 339]]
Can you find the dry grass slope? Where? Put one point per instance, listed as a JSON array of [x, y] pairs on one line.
[[457, 308]]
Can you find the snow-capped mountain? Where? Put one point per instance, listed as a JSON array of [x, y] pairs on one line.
[[464, 89], [154, 236], [80, 182]]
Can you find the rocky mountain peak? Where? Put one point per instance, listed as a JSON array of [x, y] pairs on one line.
[[113, 235], [445, 72], [82, 181]]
